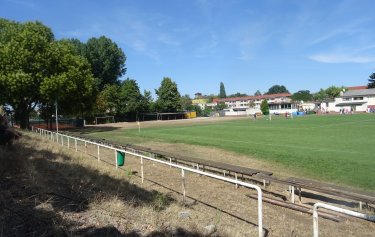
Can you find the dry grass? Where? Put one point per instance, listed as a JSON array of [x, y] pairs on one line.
[[46, 190]]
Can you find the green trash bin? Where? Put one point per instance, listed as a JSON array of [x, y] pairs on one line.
[[120, 158]]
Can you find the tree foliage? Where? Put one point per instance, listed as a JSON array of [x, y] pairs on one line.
[[222, 93], [36, 70], [277, 89], [238, 94], [107, 60], [302, 95], [264, 107], [168, 96], [371, 81], [131, 100], [329, 93], [221, 106], [108, 100], [186, 103], [257, 93]]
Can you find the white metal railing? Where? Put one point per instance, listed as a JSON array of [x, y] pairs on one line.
[[336, 209], [51, 135]]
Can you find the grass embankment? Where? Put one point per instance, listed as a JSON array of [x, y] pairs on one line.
[[46, 190], [338, 149]]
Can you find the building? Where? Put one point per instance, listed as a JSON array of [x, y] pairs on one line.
[[201, 102], [360, 100], [278, 104]]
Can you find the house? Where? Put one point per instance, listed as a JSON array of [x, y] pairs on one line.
[[247, 105], [360, 100]]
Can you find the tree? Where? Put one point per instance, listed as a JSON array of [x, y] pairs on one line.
[[277, 89], [107, 60], [108, 100], [334, 91], [238, 94], [371, 81], [168, 96], [222, 91], [23, 63], [131, 100], [321, 95], [264, 107], [70, 84], [221, 106], [257, 93], [186, 103], [329, 93], [148, 102], [302, 95], [36, 70]]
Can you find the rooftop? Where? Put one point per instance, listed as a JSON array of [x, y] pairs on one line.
[[362, 92]]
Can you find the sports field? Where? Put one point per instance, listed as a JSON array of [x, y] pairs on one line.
[[333, 148]]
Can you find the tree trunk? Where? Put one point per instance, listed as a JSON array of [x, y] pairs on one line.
[[24, 120]]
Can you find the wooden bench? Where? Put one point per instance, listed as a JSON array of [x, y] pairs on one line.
[[204, 164], [334, 190]]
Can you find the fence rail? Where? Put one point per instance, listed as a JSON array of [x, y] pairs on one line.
[[52, 135], [336, 209]]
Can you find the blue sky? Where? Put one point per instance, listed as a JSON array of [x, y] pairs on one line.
[[249, 45]]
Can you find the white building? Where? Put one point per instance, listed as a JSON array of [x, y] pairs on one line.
[[356, 100], [248, 105]]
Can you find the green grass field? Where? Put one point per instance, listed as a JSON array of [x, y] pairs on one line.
[[338, 149]]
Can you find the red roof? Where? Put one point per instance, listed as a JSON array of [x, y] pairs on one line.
[[353, 88], [257, 97]]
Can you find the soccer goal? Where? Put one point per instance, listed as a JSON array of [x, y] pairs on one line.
[[105, 119]]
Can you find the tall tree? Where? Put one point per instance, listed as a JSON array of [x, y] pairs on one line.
[[371, 81], [131, 99], [35, 69], [106, 58], [222, 91], [257, 93], [264, 107], [168, 96], [302, 95], [277, 89]]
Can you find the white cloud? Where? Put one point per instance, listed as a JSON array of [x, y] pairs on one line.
[[341, 58]]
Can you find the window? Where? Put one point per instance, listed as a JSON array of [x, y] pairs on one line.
[[358, 98]]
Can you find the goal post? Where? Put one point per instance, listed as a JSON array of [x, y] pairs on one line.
[[104, 119]]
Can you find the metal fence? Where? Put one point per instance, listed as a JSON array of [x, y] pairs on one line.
[[336, 209], [59, 138]]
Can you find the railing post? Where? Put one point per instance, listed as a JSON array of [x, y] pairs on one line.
[[98, 154], [85, 147], [142, 174], [292, 194], [235, 176], [76, 145], [183, 185], [116, 159], [68, 143]]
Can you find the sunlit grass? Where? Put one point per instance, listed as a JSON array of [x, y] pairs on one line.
[[337, 149]]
